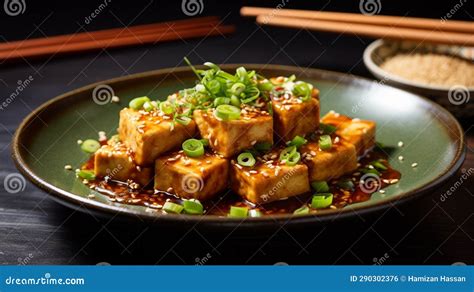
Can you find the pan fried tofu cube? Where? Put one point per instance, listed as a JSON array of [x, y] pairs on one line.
[[329, 164], [150, 134], [361, 133], [115, 161], [294, 117], [231, 137], [267, 182], [199, 178]]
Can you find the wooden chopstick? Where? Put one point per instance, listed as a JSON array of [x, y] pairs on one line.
[[386, 32], [94, 35], [385, 20], [103, 40]]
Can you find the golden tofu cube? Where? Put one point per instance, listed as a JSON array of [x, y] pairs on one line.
[[187, 177], [359, 132], [116, 162], [150, 134], [267, 182], [231, 137], [294, 117], [329, 164]]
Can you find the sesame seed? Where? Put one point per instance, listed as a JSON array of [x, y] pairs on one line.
[[333, 207], [400, 144], [115, 99], [253, 142], [382, 191], [371, 166], [400, 158], [67, 167], [414, 165], [169, 190], [393, 181], [201, 169], [91, 196], [313, 153], [253, 171], [79, 142], [238, 166], [336, 140], [264, 174]]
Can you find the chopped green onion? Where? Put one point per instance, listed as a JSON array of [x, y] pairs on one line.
[[327, 128], [86, 174], [166, 107], [241, 72], [237, 88], [221, 100], [297, 141], [320, 186], [302, 210], [263, 146], [321, 201], [90, 146], [138, 102], [255, 213], [205, 142], [303, 90], [379, 165], [246, 159], [227, 112], [213, 86], [325, 142], [265, 86], [193, 148], [346, 184], [370, 170], [148, 106], [293, 159], [239, 212], [171, 207], [193, 207], [235, 101], [287, 152], [183, 120]]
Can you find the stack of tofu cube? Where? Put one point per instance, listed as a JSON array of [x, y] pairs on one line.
[[150, 150]]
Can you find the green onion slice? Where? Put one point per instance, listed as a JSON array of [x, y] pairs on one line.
[[148, 106], [246, 159], [138, 102], [235, 101], [287, 152], [171, 207], [297, 141], [238, 212], [221, 100], [86, 174], [321, 201], [90, 146], [193, 207], [193, 148], [237, 88], [303, 90], [320, 186], [302, 210], [325, 142], [379, 165], [183, 120], [327, 128], [166, 107], [227, 112], [293, 159]]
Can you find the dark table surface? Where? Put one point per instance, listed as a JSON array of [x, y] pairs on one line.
[[36, 230]]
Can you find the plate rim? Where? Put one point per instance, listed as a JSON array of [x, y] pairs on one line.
[[75, 201]]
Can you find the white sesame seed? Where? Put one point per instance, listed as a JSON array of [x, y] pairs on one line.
[[67, 167], [312, 153], [400, 158], [79, 142], [169, 190], [91, 196], [400, 144], [414, 165], [336, 140], [393, 181], [382, 191], [115, 99], [253, 142], [201, 169]]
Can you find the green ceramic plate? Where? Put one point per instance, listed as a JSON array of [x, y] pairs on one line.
[[46, 140]]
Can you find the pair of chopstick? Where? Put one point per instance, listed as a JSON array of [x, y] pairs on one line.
[[380, 26], [114, 38]]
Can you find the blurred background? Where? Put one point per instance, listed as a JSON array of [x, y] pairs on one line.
[[47, 233]]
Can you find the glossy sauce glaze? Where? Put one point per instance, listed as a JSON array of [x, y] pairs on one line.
[[364, 186]]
